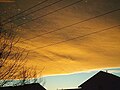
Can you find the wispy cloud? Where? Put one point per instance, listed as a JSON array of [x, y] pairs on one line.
[[114, 71]]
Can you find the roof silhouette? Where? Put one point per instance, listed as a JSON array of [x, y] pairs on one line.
[[102, 81], [34, 86]]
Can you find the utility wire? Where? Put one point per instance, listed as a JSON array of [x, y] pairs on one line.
[[81, 36], [33, 11], [73, 24], [49, 13], [24, 11]]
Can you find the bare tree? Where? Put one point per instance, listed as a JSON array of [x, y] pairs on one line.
[[13, 59], [29, 75]]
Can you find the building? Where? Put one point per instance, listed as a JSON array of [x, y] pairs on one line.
[[34, 86], [100, 81]]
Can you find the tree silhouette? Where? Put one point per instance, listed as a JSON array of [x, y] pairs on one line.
[[13, 59]]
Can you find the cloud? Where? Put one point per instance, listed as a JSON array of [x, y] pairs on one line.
[[113, 71], [100, 50]]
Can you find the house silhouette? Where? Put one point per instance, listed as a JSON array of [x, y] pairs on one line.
[[34, 86], [100, 81]]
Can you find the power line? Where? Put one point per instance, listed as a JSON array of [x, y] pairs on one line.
[[50, 13], [81, 36], [33, 11], [73, 24], [25, 10]]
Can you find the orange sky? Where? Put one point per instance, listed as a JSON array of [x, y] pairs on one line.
[[7, 0], [100, 50]]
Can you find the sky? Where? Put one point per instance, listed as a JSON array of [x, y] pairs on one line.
[[73, 80], [7, 1], [65, 37]]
